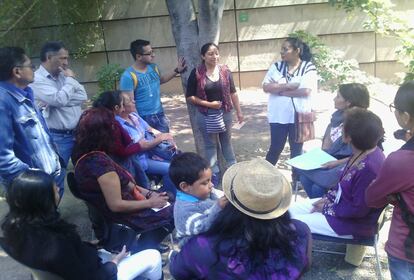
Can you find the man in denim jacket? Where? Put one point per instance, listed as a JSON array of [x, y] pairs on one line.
[[25, 141]]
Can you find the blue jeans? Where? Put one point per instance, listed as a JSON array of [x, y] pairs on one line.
[[64, 144], [312, 189], [317, 182], [400, 269], [211, 140], [161, 168], [278, 134], [158, 121]]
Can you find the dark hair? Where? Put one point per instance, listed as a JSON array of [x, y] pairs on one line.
[[363, 127], [32, 205], [186, 167], [205, 48], [108, 100], [50, 47], [137, 47], [356, 94], [257, 236], [10, 57], [404, 99], [296, 43], [94, 132]]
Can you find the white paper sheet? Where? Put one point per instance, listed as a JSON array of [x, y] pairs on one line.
[[311, 160], [159, 209]]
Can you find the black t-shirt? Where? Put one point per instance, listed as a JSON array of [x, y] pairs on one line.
[[213, 89]]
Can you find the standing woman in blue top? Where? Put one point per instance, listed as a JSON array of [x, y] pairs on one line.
[[211, 88], [293, 79]]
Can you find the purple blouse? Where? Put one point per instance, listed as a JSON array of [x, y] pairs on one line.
[[351, 215], [198, 259]]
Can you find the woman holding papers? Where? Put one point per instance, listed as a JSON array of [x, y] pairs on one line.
[[110, 188], [290, 83], [211, 89], [342, 212], [316, 182]]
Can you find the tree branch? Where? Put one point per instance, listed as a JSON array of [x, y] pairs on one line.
[[20, 18]]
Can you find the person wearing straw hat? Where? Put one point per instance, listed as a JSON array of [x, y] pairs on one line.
[[253, 237]]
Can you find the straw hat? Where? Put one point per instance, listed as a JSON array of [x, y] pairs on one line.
[[257, 189]]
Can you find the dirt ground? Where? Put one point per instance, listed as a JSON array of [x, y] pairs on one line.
[[251, 141]]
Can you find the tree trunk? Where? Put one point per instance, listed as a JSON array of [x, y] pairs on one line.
[[189, 36]]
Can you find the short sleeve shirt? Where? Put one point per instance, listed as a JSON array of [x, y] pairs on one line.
[[147, 90]]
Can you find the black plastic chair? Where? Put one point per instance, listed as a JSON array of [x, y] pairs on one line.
[[372, 242], [37, 274], [111, 236]]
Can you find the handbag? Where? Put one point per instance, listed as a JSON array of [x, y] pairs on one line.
[[304, 125], [214, 121], [164, 150]]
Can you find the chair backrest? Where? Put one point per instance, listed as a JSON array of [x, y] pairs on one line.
[[381, 219], [111, 236], [36, 273], [73, 185], [44, 275]]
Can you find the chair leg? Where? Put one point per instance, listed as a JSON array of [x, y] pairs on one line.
[[296, 190], [172, 241], [379, 271]]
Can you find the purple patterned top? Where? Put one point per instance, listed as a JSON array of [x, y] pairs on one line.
[[351, 215], [199, 260]]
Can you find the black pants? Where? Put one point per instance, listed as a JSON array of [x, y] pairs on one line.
[[278, 134]]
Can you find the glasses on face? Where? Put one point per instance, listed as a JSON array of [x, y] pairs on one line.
[[27, 66], [149, 53], [285, 50], [392, 107]]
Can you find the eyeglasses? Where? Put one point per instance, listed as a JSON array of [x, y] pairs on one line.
[[25, 66], [148, 53], [392, 107]]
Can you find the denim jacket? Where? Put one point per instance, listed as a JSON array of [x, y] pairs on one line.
[[25, 141]]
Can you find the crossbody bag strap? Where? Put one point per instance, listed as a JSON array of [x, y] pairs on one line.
[[408, 218]]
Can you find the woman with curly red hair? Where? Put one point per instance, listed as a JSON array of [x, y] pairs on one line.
[[110, 187]]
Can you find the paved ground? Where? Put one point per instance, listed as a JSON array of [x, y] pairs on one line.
[[251, 141]]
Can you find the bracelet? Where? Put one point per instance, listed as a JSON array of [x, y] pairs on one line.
[[148, 195]]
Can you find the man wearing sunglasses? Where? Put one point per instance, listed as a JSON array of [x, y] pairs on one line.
[[25, 141], [60, 97], [142, 81]]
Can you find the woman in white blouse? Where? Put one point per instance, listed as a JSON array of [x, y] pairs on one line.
[[290, 83]]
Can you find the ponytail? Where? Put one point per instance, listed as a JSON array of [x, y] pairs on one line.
[[305, 53]]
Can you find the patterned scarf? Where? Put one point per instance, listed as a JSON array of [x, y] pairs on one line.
[[201, 76]]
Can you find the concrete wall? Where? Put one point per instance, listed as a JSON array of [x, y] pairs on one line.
[[252, 30]]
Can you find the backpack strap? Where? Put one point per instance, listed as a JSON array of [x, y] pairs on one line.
[[155, 67], [408, 218], [134, 79]]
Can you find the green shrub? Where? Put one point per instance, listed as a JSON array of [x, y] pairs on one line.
[[332, 68], [108, 77]]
